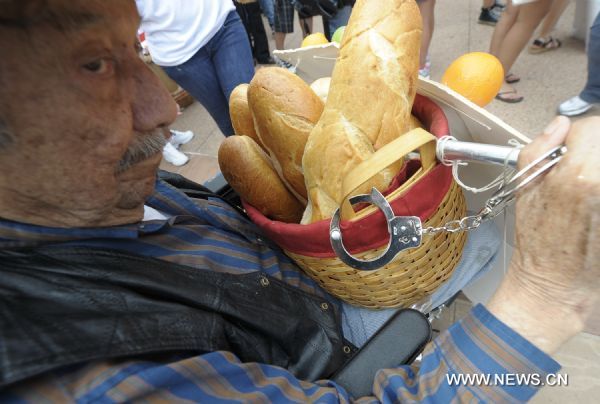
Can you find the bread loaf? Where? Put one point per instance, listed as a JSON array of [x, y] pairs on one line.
[[285, 110], [369, 104], [375, 76], [248, 170], [414, 123], [239, 112]]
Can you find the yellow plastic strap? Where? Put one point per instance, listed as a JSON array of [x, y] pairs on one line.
[[396, 150]]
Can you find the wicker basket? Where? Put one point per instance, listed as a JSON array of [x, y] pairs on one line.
[[414, 273], [411, 276]]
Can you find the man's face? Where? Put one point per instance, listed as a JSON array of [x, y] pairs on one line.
[[82, 119]]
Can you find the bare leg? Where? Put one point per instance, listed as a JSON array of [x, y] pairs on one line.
[[488, 3], [528, 18], [309, 24], [280, 40], [507, 20], [558, 7], [427, 14]]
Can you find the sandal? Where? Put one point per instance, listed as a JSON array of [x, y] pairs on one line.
[[502, 97], [540, 45], [512, 78]]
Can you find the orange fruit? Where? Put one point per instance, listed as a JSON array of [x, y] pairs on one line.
[[318, 38], [477, 76]]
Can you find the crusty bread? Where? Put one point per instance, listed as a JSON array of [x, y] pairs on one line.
[[370, 98], [414, 123], [248, 170], [285, 110], [239, 112], [374, 81]]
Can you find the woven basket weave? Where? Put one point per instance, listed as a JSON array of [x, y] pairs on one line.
[[414, 273], [411, 276]]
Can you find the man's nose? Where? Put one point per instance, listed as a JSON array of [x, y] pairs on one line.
[[153, 106]]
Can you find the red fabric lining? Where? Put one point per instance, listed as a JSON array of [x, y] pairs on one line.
[[422, 200]]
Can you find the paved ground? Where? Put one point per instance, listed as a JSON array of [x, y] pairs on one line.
[[547, 79]]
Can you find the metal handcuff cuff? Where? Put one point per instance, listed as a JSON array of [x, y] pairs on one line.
[[407, 231]]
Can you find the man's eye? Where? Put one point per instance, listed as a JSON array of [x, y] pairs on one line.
[[99, 66]]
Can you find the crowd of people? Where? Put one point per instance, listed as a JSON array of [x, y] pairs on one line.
[[515, 23], [230, 39]]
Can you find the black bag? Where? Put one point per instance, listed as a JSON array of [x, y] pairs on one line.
[[311, 8]]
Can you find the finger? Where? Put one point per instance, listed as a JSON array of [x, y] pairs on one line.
[[553, 136]]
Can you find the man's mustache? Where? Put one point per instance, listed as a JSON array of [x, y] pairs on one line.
[[142, 147]]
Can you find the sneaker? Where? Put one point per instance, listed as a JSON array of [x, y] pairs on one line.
[[174, 156], [499, 6], [178, 138], [286, 65], [488, 16], [425, 72], [574, 106]]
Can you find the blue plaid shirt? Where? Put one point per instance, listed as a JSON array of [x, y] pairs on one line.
[[210, 234]]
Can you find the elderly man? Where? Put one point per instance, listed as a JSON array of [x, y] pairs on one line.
[[116, 287]]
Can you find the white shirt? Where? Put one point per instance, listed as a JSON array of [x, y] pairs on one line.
[[152, 214], [177, 29]]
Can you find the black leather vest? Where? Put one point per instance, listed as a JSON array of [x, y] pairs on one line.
[[61, 307]]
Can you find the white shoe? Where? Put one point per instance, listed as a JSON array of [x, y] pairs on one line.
[[178, 138], [174, 156], [574, 106], [425, 72], [284, 64]]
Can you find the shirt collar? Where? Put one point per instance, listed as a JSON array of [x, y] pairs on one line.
[[17, 234], [166, 199]]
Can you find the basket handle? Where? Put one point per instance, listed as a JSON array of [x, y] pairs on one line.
[[392, 152]]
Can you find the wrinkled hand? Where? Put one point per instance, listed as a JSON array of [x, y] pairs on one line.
[[554, 277]]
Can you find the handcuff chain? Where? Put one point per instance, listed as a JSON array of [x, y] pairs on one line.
[[502, 197], [466, 223]]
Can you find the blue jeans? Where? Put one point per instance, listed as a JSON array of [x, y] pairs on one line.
[[216, 69], [591, 92], [340, 19], [268, 9]]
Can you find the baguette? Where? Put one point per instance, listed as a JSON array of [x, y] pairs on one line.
[[285, 110], [248, 170], [375, 77], [239, 112], [369, 104]]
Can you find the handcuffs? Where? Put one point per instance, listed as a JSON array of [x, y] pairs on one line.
[[407, 231]]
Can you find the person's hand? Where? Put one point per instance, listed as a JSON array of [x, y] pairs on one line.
[[554, 277]]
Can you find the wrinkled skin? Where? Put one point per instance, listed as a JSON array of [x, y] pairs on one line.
[[553, 282], [74, 97]]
